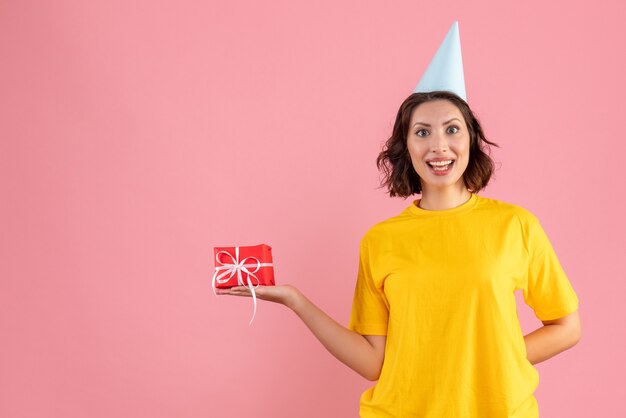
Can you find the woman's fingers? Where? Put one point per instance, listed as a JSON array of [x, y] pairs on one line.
[[236, 291], [279, 294]]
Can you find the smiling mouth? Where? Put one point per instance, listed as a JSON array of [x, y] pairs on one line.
[[441, 166]]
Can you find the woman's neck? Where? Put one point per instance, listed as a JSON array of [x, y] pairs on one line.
[[443, 199]]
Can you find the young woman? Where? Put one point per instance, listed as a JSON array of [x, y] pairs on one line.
[[433, 319]]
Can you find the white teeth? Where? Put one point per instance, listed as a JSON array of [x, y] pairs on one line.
[[440, 163]]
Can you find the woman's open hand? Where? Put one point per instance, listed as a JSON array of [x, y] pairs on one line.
[[283, 294]]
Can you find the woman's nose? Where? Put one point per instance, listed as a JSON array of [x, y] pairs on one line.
[[438, 142]]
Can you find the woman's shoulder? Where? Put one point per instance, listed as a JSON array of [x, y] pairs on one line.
[[385, 228], [497, 206]]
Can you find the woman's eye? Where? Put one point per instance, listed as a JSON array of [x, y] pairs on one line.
[[419, 133], [453, 129]]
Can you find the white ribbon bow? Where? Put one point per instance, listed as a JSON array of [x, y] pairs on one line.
[[238, 267]]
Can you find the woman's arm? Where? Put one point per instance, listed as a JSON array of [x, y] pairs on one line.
[[363, 354], [554, 337]]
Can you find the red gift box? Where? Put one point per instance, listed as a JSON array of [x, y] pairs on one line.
[[249, 266], [243, 266]]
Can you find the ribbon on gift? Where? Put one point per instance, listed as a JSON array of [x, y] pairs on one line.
[[238, 267]]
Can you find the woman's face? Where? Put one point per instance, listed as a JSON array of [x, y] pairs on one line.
[[438, 133]]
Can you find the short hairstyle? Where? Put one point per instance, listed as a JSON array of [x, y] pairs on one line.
[[394, 161]]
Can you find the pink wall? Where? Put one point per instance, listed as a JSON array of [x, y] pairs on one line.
[[136, 137]]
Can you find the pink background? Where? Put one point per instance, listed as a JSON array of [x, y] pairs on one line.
[[136, 137]]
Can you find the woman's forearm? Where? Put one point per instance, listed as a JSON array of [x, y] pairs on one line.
[[548, 341], [347, 346]]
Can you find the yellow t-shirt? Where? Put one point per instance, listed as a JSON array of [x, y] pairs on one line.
[[440, 285]]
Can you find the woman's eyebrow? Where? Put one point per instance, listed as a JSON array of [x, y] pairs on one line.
[[445, 123]]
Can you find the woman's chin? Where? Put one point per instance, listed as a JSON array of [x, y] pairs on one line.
[[439, 183]]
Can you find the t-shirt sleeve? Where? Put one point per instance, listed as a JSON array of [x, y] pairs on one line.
[[370, 309], [547, 289]]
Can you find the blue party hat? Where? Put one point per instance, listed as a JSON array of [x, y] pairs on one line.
[[445, 71]]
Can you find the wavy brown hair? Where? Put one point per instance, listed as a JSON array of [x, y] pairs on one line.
[[394, 160]]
